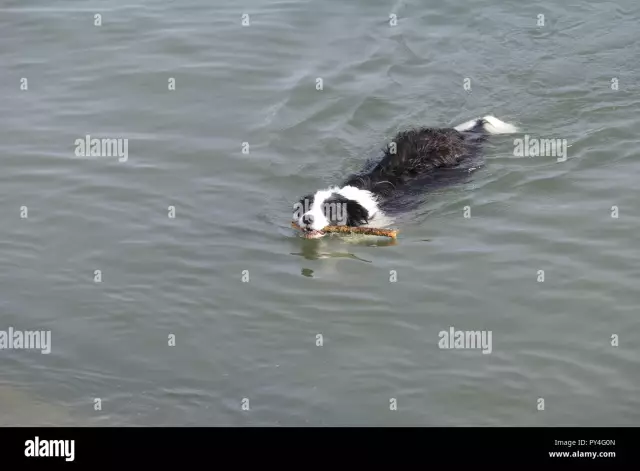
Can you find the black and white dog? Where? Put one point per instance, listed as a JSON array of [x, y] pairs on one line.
[[410, 157]]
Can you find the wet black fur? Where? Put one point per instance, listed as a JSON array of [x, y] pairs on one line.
[[418, 153]]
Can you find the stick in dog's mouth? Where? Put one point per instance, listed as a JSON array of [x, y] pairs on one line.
[[314, 234]]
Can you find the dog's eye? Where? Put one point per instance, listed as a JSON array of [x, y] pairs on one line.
[[307, 201]]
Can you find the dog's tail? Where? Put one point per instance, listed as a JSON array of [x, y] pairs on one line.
[[489, 125]]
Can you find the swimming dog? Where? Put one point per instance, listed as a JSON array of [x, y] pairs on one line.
[[411, 155]]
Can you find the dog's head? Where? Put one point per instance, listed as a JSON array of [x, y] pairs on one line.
[[346, 206]]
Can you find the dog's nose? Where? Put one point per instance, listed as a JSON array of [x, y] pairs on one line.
[[307, 219]]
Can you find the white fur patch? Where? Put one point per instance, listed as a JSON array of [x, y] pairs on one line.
[[365, 198], [492, 126], [466, 126]]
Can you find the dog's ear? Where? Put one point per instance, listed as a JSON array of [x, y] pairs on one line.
[[356, 214]]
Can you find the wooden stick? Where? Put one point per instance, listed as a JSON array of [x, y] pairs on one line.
[[392, 233]]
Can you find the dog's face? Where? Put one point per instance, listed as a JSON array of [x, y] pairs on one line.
[[347, 206]]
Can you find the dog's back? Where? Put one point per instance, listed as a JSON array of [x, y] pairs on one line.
[[417, 153]]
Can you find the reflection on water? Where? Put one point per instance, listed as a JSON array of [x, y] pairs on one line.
[[316, 249]]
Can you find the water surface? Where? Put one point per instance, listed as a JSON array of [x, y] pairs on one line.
[[256, 84]]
